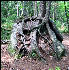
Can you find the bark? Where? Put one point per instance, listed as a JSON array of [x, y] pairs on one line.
[[58, 47], [17, 32], [37, 28], [46, 40], [35, 9], [54, 12], [42, 8], [34, 45], [32, 41], [66, 14], [56, 31], [17, 10], [22, 8], [50, 9]]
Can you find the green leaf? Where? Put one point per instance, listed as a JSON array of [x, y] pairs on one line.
[[57, 68]]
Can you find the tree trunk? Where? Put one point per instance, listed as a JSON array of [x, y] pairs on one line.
[[56, 31], [50, 9], [35, 9], [42, 11], [17, 10], [54, 13], [22, 8], [66, 14], [34, 29], [58, 47]]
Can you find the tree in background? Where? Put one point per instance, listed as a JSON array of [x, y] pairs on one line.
[[35, 9], [66, 14], [26, 8], [42, 11]]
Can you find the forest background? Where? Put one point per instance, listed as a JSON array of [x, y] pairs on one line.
[[11, 10]]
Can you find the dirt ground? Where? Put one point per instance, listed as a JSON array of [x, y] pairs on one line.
[[25, 63]]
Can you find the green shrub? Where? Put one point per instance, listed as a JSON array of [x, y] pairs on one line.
[[58, 24], [57, 68], [33, 54], [6, 30], [3, 20], [65, 30], [12, 17]]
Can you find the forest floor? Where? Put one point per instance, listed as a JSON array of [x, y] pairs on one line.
[[25, 63]]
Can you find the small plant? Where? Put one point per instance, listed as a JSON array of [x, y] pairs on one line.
[[57, 68], [50, 69], [11, 50], [33, 54], [18, 56]]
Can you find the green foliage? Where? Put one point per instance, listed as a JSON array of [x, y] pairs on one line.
[[9, 14], [12, 17], [3, 20], [6, 30], [65, 30], [58, 23], [57, 68], [49, 69], [61, 26], [18, 56], [11, 50], [33, 54]]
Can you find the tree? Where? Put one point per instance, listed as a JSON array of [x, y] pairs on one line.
[[54, 12], [36, 27], [25, 10], [17, 10], [66, 14], [42, 8], [56, 42], [53, 34], [35, 9]]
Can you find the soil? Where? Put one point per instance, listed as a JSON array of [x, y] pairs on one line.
[[9, 63]]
